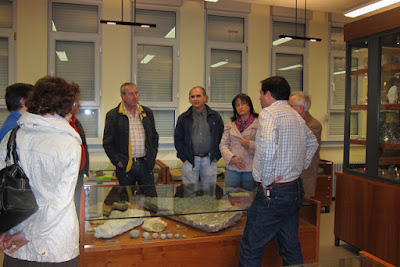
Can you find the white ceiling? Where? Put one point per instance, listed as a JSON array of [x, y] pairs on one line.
[[334, 6]]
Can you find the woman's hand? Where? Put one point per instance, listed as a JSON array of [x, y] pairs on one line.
[[245, 142], [12, 242], [238, 161]]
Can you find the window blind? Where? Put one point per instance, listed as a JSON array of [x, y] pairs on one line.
[[3, 66], [75, 18], [226, 79], [155, 70], [290, 67], [89, 120], [165, 21], [165, 122], [6, 12], [225, 29], [77, 66]]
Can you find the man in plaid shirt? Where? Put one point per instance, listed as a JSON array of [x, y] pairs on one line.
[[284, 148]]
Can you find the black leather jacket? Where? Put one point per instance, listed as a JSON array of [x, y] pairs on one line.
[[183, 134], [116, 141]]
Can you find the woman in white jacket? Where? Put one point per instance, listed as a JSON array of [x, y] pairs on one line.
[[237, 145], [49, 151]]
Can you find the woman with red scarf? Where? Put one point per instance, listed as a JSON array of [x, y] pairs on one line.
[[238, 144]]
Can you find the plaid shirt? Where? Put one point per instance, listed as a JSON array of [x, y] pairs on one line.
[[284, 145], [136, 134]]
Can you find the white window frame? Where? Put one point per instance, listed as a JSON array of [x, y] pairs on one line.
[[290, 50], [95, 38], [233, 46], [11, 35], [171, 42]]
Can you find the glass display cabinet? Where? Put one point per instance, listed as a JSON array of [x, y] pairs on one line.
[[368, 189], [372, 131], [175, 223]]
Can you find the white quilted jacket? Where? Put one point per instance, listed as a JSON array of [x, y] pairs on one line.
[[49, 151]]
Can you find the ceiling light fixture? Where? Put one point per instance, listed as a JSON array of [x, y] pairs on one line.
[[220, 63], [296, 37], [122, 22], [361, 10]]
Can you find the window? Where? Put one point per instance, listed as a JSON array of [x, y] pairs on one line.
[[155, 66], [7, 43], [226, 60], [337, 86], [289, 56], [74, 54]]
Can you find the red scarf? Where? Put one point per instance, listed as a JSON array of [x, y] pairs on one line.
[[83, 157], [242, 125]]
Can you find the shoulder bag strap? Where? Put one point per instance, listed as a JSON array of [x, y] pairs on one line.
[[11, 146]]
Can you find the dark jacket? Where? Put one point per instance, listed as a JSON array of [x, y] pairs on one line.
[[183, 135], [116, 141]]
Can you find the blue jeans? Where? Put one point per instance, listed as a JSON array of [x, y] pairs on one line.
[[273, 216], [203, 169], [239, 179]]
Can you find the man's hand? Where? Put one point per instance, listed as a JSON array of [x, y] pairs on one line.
[[12, 242], [238, 161], [120, 165]]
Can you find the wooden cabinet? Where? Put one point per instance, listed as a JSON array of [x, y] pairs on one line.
[[323, 191], [368, 190]]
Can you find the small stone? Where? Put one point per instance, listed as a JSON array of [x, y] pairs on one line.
[[154, 235], [169, 235], [146, 235], [183, 236], [122, 206], [134, 233], [176, 235], [163, 236], [177, 226]]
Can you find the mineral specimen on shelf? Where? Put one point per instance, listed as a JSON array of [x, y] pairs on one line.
[[154, 225], [176, 235], [206, 213], [134, 233], [183, 236], [123, 206], [163, 236], [154, 235], [97, 222], [146, 235], [169, 235], [116, 227]]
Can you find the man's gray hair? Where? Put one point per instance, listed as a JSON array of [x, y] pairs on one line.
[[301, 99], [202, 88], [126, 85]]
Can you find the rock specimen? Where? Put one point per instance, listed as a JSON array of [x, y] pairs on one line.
[[154, 225], [206, 213], [122, 206], [114, 227], [134, 233]]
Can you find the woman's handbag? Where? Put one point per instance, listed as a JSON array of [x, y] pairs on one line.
[[17, 201]]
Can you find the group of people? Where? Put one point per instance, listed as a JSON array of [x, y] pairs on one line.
[[267, 151]]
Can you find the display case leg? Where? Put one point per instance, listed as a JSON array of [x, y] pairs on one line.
[[337, 242], [327, 209]]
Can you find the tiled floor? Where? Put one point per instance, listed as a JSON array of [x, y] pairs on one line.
[[327, 249]]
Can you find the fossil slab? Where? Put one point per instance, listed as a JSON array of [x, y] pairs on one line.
[[206, 213], [115, 226]]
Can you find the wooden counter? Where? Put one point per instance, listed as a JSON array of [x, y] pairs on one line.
[[199, 248]]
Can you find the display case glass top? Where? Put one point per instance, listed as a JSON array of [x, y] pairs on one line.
[[163, 200]]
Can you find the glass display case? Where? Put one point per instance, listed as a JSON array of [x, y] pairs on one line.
[[372, 130], [165, 222]]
